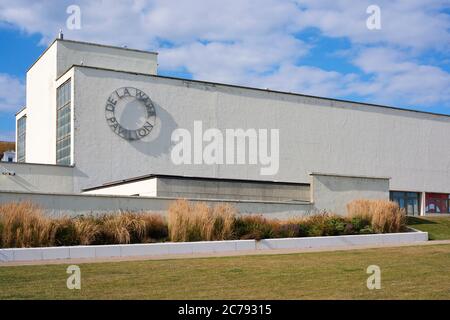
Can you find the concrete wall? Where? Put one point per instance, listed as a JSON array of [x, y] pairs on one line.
[[316, 135], [75, 204], [328, 192], [212, 189], [36, 177], [179, 187], [208, 247], [333, 192]]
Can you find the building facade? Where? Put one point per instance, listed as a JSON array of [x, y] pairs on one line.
[[101, 121], [8, 156]]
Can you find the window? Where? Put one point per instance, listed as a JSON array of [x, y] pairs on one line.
[[410, 201], [21, 133], [63, 123], [437, 203]]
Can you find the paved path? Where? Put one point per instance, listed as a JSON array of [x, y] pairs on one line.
[[219, 254]]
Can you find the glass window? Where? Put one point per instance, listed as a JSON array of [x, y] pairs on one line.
[[410, 201], [63, 123], [21, 133], [437, 203]]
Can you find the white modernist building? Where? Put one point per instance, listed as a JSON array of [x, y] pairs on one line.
[[101, 128]]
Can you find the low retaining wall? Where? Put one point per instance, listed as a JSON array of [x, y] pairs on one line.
[[174, 248], [76, 204]]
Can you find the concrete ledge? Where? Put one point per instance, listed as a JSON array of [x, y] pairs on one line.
[[69, 204], [189, 248]]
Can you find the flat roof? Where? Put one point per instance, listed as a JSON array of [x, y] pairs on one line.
[[106, 46], [20, 110], [347, 175], [168, 176], [87, 43], [261, 90]]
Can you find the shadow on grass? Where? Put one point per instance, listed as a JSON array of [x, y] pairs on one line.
[[414, 221]]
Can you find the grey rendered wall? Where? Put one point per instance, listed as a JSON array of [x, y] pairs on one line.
[[332, 192], [207, 189], [316, 135], [75, 204], [36, 177]]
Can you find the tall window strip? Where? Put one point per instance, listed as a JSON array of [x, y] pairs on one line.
[[63, 125], [21, 132]]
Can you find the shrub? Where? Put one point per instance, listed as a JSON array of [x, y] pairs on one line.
[[361, 209], [1, 232], [334, 226], [198, 222], [321, 224], [128, 227], [223, 217], [358, 224], [381, 215], [290, 229], [178, 220], [255, 227], [155, 227], [388, 217], [24, 225], [87, 229], [65, 232]]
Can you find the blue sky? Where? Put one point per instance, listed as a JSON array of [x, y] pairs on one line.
[[313, 47]]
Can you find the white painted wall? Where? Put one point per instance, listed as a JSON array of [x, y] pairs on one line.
[[41, 109], [144, 188], [316, 135]]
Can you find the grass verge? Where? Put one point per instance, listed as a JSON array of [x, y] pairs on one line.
[[416, 272], [438, 228]]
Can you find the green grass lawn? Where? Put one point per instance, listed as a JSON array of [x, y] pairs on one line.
[[416, 272], [438, 228]]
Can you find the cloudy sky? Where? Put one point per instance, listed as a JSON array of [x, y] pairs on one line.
[[308, 46]]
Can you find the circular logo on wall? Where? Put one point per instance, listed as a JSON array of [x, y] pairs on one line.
[[130, 113]]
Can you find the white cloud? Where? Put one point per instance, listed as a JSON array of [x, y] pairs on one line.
[[309, 80], [413, 24], [237, 62], [399, 78], [253, 42], [12, 93]]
